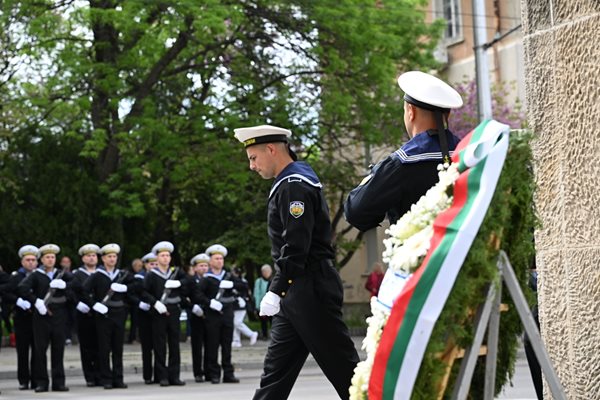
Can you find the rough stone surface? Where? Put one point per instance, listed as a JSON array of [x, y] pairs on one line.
[[561, 39]]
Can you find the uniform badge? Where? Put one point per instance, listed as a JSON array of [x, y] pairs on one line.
[[296, 209]]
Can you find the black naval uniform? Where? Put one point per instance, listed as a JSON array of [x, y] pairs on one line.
[[86, 330], [145, 327], [23, 330], [397, 182], [166, 327], [218, 325], [310, 319], [198, 330], [110, 327], [48, 329]]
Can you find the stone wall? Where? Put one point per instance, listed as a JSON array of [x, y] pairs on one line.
[[562, 59]]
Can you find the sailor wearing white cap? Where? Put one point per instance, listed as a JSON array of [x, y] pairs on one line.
[[145, 317], [305, 296], [86, 324], [263, 134], [165, 288], [402, 178], [46, 290], [108, 297], [200, 265], [22, 316]]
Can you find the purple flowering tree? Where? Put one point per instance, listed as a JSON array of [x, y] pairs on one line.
[[465, 119]]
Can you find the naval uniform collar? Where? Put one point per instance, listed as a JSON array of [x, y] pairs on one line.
[[211, 274], [111, 275], [85, 270], [163, 275], [294, 172], [50, 274], [423, 147]]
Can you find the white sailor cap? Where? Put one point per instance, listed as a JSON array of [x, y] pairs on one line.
[[150, 257], [262, 134], [110, 249], [428, 92], [28, 250], [89, 248], [163, 246], [217, 249], [48, 249], [200, 258]]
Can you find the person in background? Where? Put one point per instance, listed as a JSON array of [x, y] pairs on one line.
[[375, 278], [261, 286], [65, 265], [136, 266], [242, 295]]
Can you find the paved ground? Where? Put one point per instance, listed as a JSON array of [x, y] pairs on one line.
[[248, 360]]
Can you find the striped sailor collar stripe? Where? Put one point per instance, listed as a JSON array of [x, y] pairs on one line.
[[85, 271], [408, 159], [424, 147], [140, 275], [210, 274], [111, 275], [49, 275], [163, 275]]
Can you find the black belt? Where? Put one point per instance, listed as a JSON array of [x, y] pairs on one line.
[[173, 300], [57, 300], [114, 303]]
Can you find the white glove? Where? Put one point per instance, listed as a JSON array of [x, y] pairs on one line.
[[118, 287], [269, 305], [100, 308], [41, 307], [226, 285], [58, 284], [197, 310], [144, 306], [216, 305], [24, 304], [172, 284], [160, 307], [241, 302], [82, 307]]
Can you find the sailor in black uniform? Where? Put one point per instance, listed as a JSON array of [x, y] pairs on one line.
[[200, 265], [145, 318]]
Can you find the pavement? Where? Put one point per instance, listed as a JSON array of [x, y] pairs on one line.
[[248, 361]]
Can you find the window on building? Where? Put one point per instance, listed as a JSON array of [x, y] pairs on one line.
[[450, 11]]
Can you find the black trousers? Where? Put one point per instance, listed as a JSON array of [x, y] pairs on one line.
[[166, 332], [198, 343], [25, 347], [310, 321], [88, 346], [219, 333], [49, 331], [111, 334], [145, 325], [134, 313]]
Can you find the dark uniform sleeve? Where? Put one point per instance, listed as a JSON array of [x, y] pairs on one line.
[[296, 234], [368, 203], [25, 289], [9, 290], [87, 291], [147, 296]]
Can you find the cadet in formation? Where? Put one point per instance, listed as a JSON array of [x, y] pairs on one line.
[[145, 318], [199, 364]]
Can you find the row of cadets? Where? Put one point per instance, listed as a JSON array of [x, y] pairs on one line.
[[214, 293], [198, 332], [145, 318], [86, 323], [106, 294], [164, 289], [45, 290]]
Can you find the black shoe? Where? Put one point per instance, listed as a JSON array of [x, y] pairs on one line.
[[90, 384], [148, 381], [108, 386], [230, 379], [120, 385], [60, 389], [164, 382], [215, 380], [24, 386], [177, 382], [199, 378], [41, 389]]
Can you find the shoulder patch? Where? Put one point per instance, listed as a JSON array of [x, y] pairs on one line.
[[296, 209]]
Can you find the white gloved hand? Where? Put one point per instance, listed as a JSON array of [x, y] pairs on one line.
[[197, 310], [216, 305], [172, 284], [160, 307], [23, 304], [41, 307], [82, 307], [144, 306], [226, 285], [100, 308], [58, 284], [118, 287], [269, 305], [241, 302]]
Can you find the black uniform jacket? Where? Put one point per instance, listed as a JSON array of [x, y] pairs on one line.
[[10, 294], [298, 223], [154, 287], [207, 288], [397, 182], [80, 275], [37, 285], [98, 284]]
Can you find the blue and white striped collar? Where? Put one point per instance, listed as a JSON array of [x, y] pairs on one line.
[[84, 270], [219, 277], [165, 276], [50, 274], [141, 274], [294, 172], [111, 275], [423, 147]]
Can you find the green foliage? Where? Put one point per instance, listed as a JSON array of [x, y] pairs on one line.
[[511, 218]]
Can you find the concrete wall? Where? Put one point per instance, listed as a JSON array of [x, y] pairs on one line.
[[562, 59]]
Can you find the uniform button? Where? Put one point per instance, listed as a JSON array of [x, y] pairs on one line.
[[283, 293], [290, 281]]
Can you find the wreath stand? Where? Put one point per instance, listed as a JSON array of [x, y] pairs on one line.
[[488, 318]]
